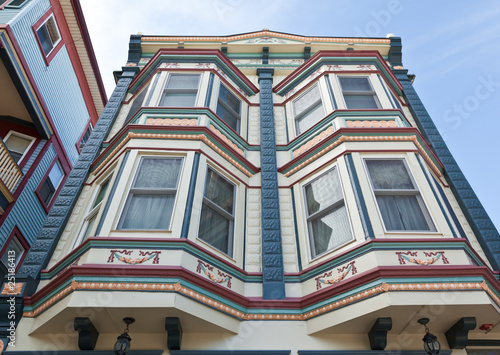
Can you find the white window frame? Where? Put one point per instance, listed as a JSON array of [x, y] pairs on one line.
[[54, 44], [130, 188], [318, 214], [227, 107], [21, 135], [92, 212], [414, 192], [165, 90], [218, 209], [372, 93], [310, 108]]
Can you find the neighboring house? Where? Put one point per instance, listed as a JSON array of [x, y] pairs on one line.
[[51, 95], [262, 193]]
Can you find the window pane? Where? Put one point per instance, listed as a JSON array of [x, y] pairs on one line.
[[311, 118], [231, 100], [44, 36], [158, 173], [90, 224], [389, 174], [178, 100], [220, 191], [17, 146], [355, 84], [214, 229], [331, 230], [402, 213], [148, 212], [56, 174], [18, 250], [47, 191], [323, 192], [101, 194], [360, 102], [305, 101], [183, 81], [228, 117]]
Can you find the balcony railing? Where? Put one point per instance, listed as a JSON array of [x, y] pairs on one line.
[[9, 170]]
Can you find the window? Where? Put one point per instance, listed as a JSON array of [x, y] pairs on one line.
[[150, 203], [18, 145], [229, 108], [181, 90], [48, 34], [398, 198], [327, 219], [13, 254], [91, 216], [85, 136], [358, 93], [308, 109], [49, 187], [217, 213]]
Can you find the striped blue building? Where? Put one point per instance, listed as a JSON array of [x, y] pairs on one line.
[[51, 97]]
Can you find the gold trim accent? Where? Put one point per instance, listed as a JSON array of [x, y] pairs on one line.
[[384, 287]]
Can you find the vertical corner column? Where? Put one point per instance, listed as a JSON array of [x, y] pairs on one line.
[[273, 281]]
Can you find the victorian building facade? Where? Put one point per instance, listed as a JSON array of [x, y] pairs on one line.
[[262, 193]]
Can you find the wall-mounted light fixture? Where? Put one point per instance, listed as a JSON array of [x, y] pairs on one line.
[[431, 343], [122, 345]]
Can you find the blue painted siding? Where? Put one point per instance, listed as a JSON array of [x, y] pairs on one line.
[[7, 14], [55, 82], [28, 214]]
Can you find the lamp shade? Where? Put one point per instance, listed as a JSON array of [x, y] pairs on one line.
[[431, 344], [122, 345]]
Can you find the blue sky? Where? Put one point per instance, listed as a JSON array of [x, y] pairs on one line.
[[452, 46]]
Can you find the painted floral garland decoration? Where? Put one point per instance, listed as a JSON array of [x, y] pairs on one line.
[[205, 269], [345, 270]]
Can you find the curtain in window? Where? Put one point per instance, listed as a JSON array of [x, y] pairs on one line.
[[331, 230], [311, 118], [158, 173], [214, 229], [148, 212], [362, 102], [152, 195], [305, 101], [183, 81], [389, 174], [323, 192], [355, 84], [402, 213], [220, 191]]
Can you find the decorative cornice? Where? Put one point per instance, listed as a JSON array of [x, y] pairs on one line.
[[201, 133], [299, 312], [363, 135], [198, 56], [324, 57], [266, 33]]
